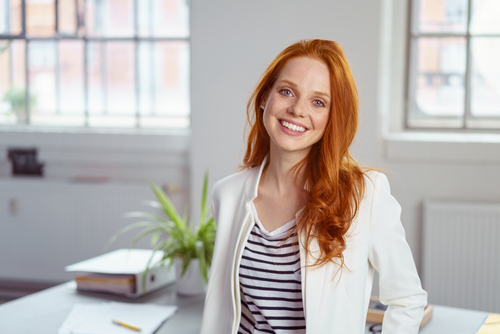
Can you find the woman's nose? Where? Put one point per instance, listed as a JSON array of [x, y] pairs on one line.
[[298, 108]]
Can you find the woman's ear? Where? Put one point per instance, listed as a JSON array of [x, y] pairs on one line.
[[264, 101]]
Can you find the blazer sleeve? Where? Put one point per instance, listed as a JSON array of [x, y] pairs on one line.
[[390, 255], [215, 203]]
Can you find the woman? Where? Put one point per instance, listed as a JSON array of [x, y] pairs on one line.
[[303, 227]]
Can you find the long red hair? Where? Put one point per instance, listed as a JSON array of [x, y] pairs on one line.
[[335, 180]]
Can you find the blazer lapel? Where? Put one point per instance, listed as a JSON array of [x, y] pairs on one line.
[[324, 294], [251, 188], [312, 284]]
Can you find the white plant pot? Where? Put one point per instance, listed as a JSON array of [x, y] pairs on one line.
[[191, 283]]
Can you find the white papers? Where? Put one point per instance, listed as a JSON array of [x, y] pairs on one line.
[[124, 262], [98, 318], [120, 261]]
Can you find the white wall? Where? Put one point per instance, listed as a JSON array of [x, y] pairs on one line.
[[90, 181], [232, 43]]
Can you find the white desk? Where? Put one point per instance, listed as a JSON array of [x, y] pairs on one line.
[[45, 311], [451, 320]]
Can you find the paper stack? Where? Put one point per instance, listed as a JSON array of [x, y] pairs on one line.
[[99, 318], [118, 284], [121, 272]]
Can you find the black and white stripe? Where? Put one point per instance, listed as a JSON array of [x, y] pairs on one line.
[[270, 282]]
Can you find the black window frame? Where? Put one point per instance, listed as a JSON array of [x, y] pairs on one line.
[[80, 22], [411, 76]]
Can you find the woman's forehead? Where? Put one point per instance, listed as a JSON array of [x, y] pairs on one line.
[[306, 72]]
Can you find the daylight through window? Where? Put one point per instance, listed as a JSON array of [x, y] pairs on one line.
[[454, 67], [95, 63]]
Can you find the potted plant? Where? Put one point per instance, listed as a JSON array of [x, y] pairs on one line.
[[189, 247], [17, 99]]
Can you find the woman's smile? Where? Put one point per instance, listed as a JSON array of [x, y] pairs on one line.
[[295, 203], [297, 107], [292, 128]]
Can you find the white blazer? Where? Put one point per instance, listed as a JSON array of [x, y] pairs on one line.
[[335, 301]]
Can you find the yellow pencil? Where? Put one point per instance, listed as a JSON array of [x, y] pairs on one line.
[[121, 323]]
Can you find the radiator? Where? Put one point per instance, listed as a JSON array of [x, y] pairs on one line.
[[45, 226], [461, 254]]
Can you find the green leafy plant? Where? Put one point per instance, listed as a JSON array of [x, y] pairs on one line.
[[17, 98], [174, 234]]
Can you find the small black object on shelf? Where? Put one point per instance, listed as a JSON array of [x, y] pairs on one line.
[[24, 162]]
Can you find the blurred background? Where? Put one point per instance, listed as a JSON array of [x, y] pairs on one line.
[[112, 93]]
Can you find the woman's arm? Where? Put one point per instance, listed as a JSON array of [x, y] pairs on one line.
[[390, 255]]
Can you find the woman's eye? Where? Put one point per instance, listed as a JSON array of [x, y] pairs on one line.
[[286, 92], [319, 103]]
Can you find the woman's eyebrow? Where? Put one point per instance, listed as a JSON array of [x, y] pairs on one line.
[[322, 94], [285, 81], [288, 82]]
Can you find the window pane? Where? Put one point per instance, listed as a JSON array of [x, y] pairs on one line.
[[442, 16], [146, 78], [171, 66], [40, 18], [440, 78], [71, 67], [485, 17], [18, 62], [12, 82], [111, 81], [110, 18], [10, 17], [96, 77], [56, 77], [164, 78], [67, 17], [118, 90], [485, 93], [44, 82], [5, 59], [81, 5], [42, 76], [163, 18], [120, 78]]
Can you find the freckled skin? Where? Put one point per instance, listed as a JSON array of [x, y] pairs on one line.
[[301, 96]]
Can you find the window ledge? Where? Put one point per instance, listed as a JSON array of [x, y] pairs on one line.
[[128, 155], [95, 139], [471, 148]]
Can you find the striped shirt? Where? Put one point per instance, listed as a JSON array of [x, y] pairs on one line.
[[270, 282]]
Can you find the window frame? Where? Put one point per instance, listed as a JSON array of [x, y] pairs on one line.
[[80, 23], [410, 77], [418, 146]]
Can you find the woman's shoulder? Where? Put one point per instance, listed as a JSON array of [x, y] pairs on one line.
[[375, 182], [235, 181]]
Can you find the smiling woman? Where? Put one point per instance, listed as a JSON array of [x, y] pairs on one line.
[[296, 109], [303, 227]]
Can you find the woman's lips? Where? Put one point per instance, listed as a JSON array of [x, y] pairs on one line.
[[292, 128]]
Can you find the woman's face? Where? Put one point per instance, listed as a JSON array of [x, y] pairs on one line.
[[297, 108]]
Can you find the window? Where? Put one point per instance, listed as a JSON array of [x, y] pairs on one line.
[[454, 67], [94, 63]]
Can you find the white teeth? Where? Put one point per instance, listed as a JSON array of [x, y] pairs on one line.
[[292, 127]]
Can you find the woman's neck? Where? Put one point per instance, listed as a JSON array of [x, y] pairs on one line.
[[277, 177]]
